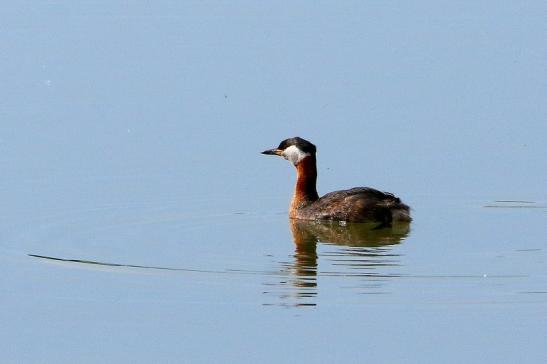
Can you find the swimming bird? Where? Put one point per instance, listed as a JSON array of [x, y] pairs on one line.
[[358, 204]]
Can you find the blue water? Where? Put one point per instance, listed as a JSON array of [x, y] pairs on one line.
[[139, 223]]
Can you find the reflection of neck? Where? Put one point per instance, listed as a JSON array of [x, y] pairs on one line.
[[305, 192], [305, 253]]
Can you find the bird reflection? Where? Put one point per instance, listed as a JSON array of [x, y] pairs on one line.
[[356, 234], [346, 250]]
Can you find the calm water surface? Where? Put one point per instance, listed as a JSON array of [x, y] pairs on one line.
[[176, 277], [139, 223]]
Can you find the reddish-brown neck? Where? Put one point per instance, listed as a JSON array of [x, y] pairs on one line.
[[305, 191]]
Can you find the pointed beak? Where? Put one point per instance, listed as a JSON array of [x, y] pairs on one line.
[[274, 151]]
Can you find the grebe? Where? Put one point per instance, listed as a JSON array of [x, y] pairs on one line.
[[359, 204]]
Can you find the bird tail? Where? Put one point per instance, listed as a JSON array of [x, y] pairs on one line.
[[401, 212]]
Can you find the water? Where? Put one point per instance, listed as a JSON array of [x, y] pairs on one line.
[[139, 223]]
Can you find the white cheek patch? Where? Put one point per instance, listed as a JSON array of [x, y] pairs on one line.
[[294, 155]]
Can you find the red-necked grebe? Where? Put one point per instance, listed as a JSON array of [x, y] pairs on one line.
[[359, 204]]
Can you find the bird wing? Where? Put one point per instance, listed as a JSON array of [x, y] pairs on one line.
[[356, 204]]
